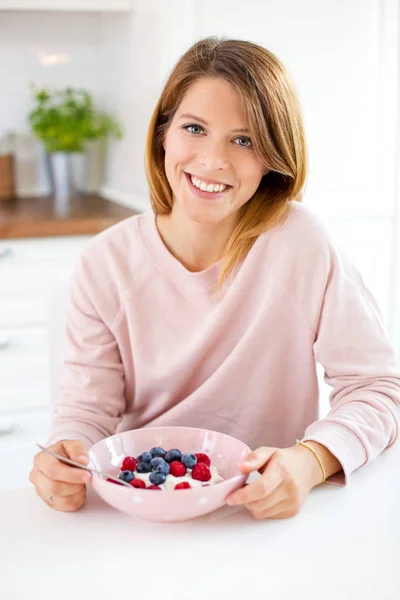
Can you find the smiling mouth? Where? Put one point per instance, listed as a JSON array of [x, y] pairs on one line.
[[207, 185], [207, 191]]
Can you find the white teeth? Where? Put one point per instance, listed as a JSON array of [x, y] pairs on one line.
[[210, 187]]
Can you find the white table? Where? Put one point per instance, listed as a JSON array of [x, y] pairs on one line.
[[345, 545]]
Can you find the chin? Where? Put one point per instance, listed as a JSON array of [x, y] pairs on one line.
[[207, 215]]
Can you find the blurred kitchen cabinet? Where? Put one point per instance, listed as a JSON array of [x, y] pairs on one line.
[[28, 269], [68, 5]]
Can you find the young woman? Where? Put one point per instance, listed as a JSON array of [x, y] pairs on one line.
[[211, 310]]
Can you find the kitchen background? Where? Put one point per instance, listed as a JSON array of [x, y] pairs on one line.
[[344, 56]]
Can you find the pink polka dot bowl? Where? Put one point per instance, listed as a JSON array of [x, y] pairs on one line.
[[169, 506]]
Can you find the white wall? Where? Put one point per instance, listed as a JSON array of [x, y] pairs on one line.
[[160, 31], [135, 93]]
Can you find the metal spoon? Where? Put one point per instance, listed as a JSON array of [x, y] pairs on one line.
[[68, 461]]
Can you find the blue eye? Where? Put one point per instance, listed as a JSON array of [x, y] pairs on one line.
[[191, 127], [247, 142]]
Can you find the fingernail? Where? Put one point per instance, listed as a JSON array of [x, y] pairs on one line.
[[83, 459]]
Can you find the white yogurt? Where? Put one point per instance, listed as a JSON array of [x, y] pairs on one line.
[[172, 481]]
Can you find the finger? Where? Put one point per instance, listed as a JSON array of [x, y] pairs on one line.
[[65, 503], [278, 496], [55, 488], [261, 488], [56, 470], [257, 459], [76, 450]]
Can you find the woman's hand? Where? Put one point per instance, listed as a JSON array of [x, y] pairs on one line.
[[61, 486], [287, 476]]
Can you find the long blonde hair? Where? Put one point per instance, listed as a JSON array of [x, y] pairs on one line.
[[275, 122]]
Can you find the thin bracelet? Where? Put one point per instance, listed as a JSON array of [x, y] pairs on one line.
[[298, 443]]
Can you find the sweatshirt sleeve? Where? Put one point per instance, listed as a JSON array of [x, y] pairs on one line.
[[359, 362], [91, 398]]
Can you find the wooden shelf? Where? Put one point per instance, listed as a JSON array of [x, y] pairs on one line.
[[39, 217]]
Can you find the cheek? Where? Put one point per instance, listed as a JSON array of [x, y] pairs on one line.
[[251, 173], [176, 149]]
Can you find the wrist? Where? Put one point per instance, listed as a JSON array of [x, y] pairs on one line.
[[329, 461], [311, 465]]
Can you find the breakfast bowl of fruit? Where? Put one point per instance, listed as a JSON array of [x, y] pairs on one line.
[[173, 473]]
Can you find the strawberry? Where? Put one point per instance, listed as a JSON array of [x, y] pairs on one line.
[[129, 464], [153, 487], [201, 472], [177, 468], [138, 483], [184, 485], [203, 458]]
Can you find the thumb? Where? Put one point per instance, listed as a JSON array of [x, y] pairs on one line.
[[257, 459], [76, 450]]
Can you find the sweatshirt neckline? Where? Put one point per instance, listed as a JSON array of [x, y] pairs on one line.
[[167, 263]]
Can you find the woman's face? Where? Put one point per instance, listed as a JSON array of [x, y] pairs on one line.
[[207, 144]]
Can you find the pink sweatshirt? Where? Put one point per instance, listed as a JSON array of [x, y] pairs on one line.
[[148, 343]]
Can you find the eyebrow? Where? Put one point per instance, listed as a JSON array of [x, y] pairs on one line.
[[203, 122]]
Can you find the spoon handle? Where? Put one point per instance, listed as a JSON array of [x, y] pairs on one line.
[[68, 461]]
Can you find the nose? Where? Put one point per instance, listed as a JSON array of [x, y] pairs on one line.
[[214, 156]]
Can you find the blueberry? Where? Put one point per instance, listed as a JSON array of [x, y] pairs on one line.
[[157, 478], [145, 457], [189, 460], [143, 467], [157, 451], [173, 455], [160, 465], [126, 476]]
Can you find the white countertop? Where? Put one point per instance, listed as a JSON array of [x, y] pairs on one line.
[[344, 545]]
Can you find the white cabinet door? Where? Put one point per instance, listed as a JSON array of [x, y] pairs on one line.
[[24, 369], [24, 299], [27, 271], [16, 401]]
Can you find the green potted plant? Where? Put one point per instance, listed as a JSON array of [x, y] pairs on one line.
[[65, 121]]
